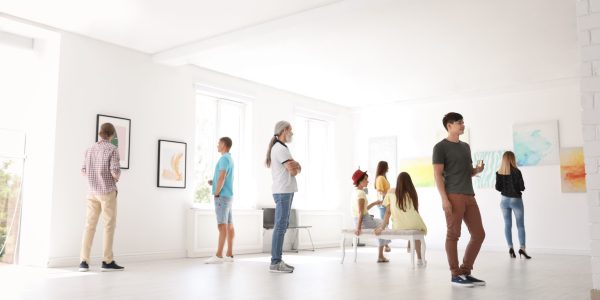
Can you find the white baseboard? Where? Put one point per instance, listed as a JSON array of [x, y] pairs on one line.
[[73, 261]]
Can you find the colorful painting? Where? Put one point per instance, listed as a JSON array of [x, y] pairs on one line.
[[122, 136], [492, 161], [420, 171], [536, 144], [172, 157], [572, 170]]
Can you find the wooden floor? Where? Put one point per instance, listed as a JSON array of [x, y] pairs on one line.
[[318, 275]]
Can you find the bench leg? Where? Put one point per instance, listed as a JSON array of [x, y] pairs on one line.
[[412, 251], [355, 243], [343, 247], [310, 237], [423, 251]]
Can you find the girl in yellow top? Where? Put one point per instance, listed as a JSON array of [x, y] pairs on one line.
[[403, 207], [382, 186], [361, 207]]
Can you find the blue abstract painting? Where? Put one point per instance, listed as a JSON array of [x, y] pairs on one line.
[[536, 144]]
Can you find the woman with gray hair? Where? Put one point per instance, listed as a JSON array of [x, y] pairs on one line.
[[283, 170]]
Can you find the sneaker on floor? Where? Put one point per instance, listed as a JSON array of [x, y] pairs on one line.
[[461, 281], [289, 266], [214, 260], [83, 266], [112, 266], [228, 259], [280, 267], [421, 263], [475, 281]]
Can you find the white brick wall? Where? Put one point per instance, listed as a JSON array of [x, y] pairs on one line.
[[588, 21]]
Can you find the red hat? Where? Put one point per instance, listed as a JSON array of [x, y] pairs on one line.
[[358, 174]]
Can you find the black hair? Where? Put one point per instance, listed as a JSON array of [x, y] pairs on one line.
[[451, 117]]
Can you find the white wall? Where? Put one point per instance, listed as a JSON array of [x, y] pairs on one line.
[[588, 12], [96, 77], [555, 222]]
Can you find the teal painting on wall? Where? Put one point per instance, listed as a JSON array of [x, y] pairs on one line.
[[492, 161], [536, 143]]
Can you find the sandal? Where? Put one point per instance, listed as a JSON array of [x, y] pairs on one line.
[[383, 260]]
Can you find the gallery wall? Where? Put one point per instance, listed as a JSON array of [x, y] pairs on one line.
[[556, 222], [99, 78]]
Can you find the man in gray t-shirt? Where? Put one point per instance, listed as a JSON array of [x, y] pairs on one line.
[[453, 169], [458, 166]]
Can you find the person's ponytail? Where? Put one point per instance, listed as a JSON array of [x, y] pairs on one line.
[[279, 128], [271, 143]]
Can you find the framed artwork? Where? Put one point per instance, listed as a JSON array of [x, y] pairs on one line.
[[536, 143], [172, 162], [492, 160], [572, 170], [122, 139]]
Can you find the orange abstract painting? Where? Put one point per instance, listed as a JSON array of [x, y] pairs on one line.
[[572, 170]]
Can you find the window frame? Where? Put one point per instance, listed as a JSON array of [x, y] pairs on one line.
[[308, 200], [242, 147]]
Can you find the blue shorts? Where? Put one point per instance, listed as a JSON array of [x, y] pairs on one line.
[[223, 210]]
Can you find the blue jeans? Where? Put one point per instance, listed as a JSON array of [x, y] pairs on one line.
[[381, 211], [509, 206], [283, 207], [369, 222]]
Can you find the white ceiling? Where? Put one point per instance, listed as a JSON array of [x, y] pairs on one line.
[[353, 52], [154, 25]]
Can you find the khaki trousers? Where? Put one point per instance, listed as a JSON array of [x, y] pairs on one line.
[[106, 205], [464, 207]]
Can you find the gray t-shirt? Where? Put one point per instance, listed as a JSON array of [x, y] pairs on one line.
[[458, 166], [283, 182]]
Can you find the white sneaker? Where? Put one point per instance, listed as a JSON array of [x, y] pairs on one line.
[[421, 263], [214, 260], [228, 259]]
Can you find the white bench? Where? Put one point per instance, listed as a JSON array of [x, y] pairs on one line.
[[388, 234]]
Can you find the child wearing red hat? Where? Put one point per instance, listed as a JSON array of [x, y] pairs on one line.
[[361, 208]]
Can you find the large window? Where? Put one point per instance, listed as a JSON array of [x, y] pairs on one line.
[[217, 117], [11, 175], [312, 147]]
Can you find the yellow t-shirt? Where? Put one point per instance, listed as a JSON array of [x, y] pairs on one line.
[[382, 184], [360, 194], [409, 219]]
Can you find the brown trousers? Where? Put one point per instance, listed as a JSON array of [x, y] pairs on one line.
[[464, 207]]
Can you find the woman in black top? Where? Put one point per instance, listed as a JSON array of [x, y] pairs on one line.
[[509, 182]]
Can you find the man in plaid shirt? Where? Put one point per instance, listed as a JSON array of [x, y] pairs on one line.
[[102, 169]]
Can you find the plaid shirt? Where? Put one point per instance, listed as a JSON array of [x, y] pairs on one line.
[[101, 160]]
